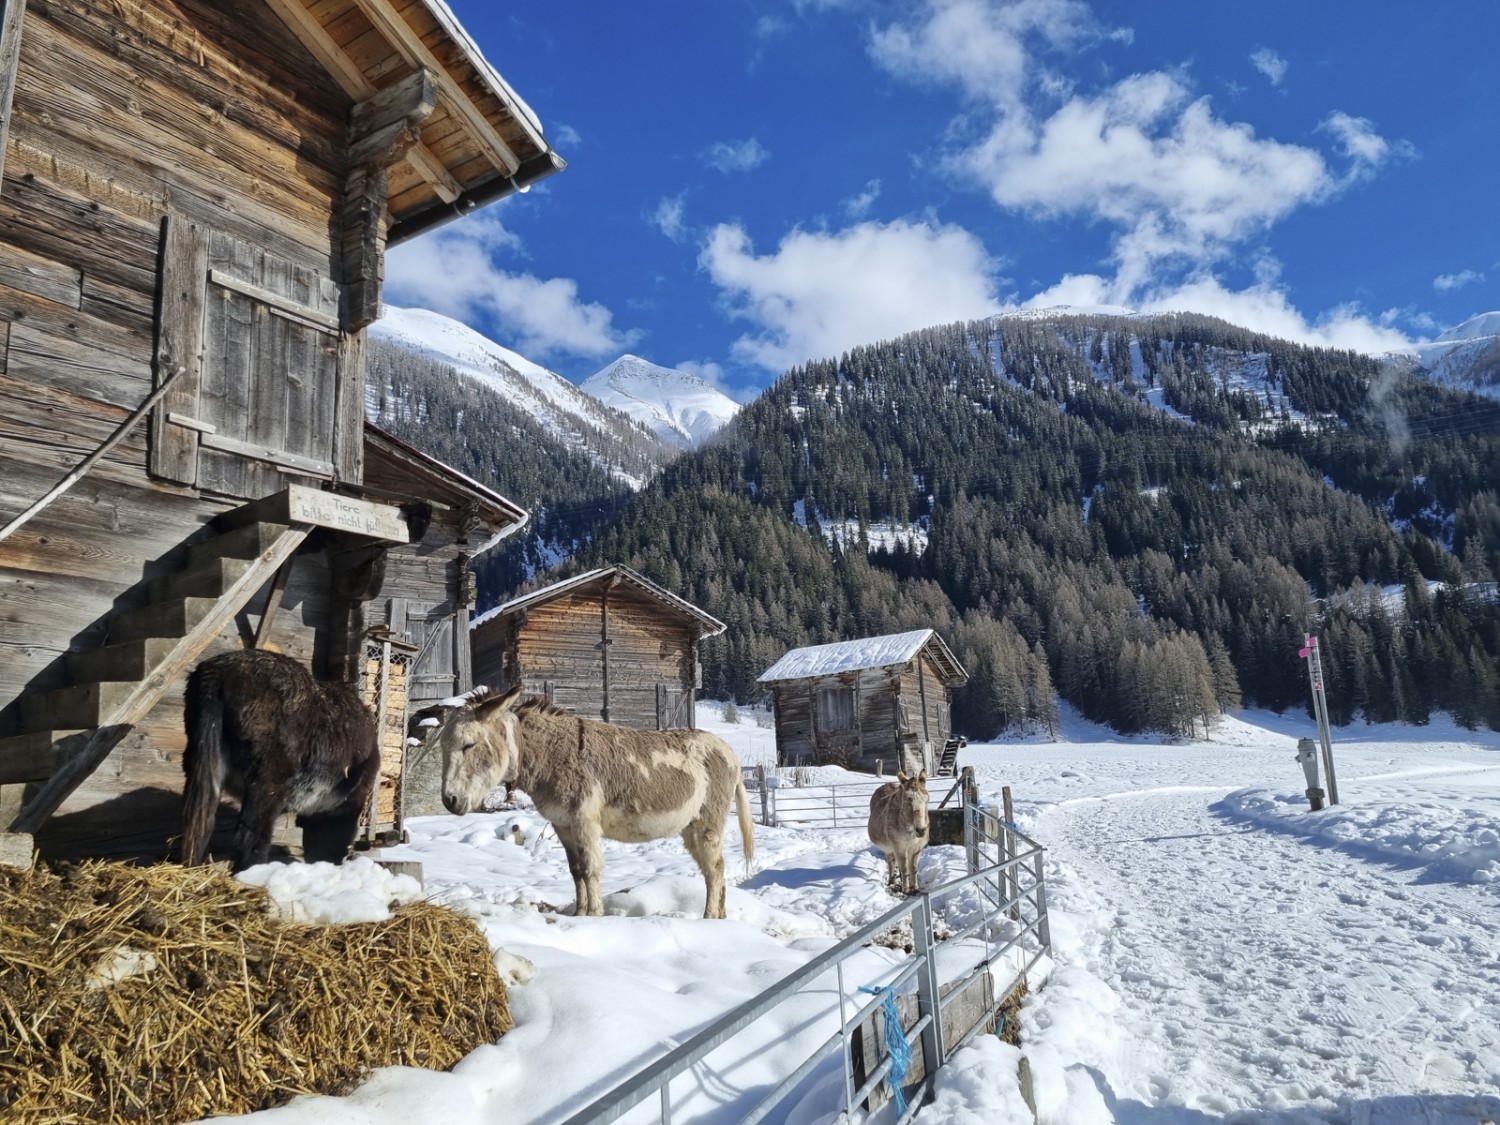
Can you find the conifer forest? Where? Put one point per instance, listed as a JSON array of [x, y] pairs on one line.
[[1140, 516]]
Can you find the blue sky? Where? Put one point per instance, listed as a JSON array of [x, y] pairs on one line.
[[751, 185]]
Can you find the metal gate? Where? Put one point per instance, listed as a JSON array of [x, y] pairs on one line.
[[934, 1004]]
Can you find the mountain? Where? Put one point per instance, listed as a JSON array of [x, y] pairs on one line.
[[1466, 357], [676, 405], [1140, 515], [561, 409]]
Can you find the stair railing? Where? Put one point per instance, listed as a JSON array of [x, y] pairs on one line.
[[82, 468]]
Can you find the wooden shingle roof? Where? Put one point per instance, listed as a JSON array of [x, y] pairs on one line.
[[482, 141]]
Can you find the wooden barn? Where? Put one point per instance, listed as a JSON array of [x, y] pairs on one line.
[[877, 704], [196, 200], [608, 644]]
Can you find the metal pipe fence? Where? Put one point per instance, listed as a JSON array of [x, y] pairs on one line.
[[952, 988], [843, 804]]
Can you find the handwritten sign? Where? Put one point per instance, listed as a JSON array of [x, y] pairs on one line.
[[346, 513]]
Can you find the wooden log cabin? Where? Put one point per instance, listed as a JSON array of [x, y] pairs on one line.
[[880, 704], [609, 644], [196, 200]]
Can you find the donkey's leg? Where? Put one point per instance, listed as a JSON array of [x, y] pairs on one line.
[[569, 844], [252, 836], [590, 839], [704, 838], [326, 837]]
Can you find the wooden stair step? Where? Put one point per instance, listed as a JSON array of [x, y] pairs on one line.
[[130, 660], [208, 580], [174, 618], [247, 542], [34, 756], [78, 706]]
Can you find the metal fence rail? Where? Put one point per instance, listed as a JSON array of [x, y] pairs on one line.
[[843, 804], [1004, 893]]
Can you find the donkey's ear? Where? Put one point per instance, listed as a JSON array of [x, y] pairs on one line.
[[922, 778], [492, 705], [900, 776]]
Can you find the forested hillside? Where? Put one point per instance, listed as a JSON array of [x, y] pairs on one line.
[[565, 485], [1141, 515]]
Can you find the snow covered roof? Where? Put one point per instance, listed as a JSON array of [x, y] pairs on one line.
[[710, 626], [889, 651]]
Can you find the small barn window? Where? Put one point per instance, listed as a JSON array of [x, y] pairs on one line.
[[835, 708]]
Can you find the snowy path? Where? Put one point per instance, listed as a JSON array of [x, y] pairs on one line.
[[1268, 972]]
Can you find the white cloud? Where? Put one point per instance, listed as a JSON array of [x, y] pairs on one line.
[[1269, 63], [1366, 150], [823, 292], [1445, 283], [453, 271], [1181, 188], [567, 136], [736, 156], [1262, 307], [858, 206], [668, 218]]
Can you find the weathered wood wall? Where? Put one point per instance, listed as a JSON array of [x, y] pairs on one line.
[[880, 740], [125, 113], [559, 649]]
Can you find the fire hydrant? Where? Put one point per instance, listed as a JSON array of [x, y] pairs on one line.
[[1307, 754]]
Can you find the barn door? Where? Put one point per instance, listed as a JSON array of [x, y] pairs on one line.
[[674, 707], [262, 394], [435, 672]]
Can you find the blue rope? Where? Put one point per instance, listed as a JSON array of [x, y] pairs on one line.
[[896, 1044]]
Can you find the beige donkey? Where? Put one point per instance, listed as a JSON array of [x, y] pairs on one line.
[[594, 779], [898, 827]]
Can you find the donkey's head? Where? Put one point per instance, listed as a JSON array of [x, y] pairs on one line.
[[480, 748], [912, 803]]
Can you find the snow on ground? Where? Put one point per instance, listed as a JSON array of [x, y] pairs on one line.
[[1223, 955]]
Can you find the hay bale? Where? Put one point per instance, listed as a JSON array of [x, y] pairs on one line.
[[166, 994]]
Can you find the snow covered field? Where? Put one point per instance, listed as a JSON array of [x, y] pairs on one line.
[[1222, 954]]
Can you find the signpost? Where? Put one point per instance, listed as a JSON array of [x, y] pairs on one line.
[[1309, 652]]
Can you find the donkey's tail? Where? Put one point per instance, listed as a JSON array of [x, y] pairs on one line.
[[203, 762], [747, 823]]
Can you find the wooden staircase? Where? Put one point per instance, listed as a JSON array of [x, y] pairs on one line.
[[948, 760], [68, 732]]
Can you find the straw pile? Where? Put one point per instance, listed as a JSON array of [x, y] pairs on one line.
[[166, 994]]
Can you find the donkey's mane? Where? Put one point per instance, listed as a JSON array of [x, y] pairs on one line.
[[539, 705]]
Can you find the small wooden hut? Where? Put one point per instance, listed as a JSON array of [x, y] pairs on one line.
[[197, 197], [608, 644], [877, 704]]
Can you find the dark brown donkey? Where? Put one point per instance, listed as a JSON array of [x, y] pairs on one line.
[[260, 727]]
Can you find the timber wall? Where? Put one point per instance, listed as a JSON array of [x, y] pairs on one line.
[[123, 113]]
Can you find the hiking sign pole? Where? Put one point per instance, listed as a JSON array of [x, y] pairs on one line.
[[1309, 652]]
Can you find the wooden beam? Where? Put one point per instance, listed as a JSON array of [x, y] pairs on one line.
[[12, 16], [353, 82], [417, 54]]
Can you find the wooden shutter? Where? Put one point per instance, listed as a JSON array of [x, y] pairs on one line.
[[261, 398], [672, 707], [434, 673]]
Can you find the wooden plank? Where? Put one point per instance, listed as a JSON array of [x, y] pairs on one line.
[[41, 277], [179, 346], [282, 306], [305, 466], [349, 409], [417, 54], [146, 693], [12, 17]]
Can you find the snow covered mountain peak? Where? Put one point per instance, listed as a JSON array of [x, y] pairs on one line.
[[677, 405], [564, 410], [1485, 324]]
